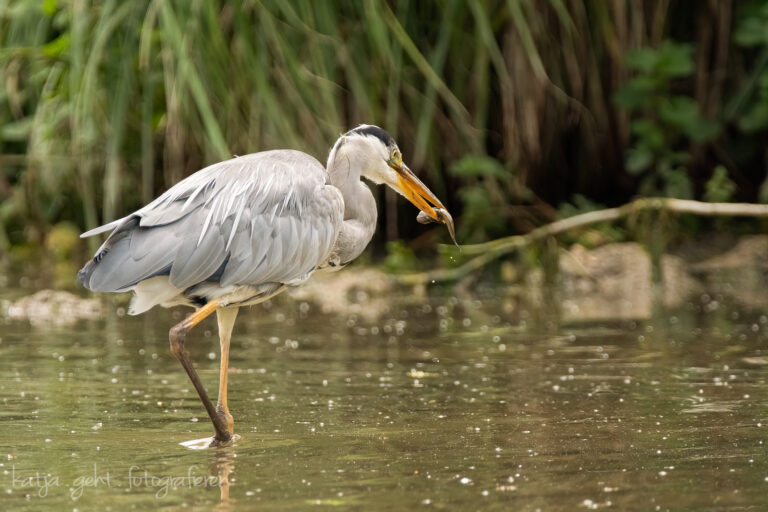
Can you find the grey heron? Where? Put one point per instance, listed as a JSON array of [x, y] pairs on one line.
[[241, 231]]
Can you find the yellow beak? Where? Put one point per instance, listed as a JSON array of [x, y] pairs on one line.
[[418, 194]]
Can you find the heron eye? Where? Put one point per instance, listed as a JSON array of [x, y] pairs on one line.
[[396, 155]]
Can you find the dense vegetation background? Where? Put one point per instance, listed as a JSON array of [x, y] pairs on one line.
[[514, 111]]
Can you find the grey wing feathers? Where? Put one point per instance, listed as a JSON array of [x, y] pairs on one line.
[[103, 229], [266, 217]]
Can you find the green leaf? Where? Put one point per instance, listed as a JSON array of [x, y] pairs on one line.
[[475, 199], [400, 257], [479, 215], [637, 93], [682, 113], [678, 158], [50, 7], [719, 188], [677, 184], [638, 159], [579, 204], [650, 134], [752, 30], [754, 119], [675, 59], [642, 59], [679, 111], [479, 165], [55, 48], [671, 59]]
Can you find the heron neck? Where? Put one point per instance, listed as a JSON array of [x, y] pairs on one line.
[[359, 205], [344, 170]]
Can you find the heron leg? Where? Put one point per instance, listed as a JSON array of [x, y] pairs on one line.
[[177, 336], [226, 318]]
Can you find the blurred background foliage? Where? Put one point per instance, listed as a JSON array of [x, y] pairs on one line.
[[507, 108]]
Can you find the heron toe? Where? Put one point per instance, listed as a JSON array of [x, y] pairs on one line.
[[208, 442]]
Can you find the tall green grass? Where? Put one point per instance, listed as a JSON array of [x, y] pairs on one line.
[[104, 104]]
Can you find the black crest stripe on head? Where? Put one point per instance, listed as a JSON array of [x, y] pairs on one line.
[[377, 132]]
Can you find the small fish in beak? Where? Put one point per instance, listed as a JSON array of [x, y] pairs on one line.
[[432, 210], [442, 216]]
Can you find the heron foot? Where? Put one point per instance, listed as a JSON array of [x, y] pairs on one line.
[[209, 442], [215, 443]]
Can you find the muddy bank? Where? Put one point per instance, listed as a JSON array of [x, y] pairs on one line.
[[611, 282], [49, 308], [615, 281]]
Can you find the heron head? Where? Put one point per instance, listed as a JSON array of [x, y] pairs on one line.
[[383, 163]]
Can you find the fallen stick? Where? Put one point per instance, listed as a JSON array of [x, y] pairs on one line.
[[490, 251]]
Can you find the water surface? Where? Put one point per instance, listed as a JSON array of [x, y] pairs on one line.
[[441, 403]]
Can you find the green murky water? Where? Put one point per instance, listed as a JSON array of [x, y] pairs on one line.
[[452, 404]]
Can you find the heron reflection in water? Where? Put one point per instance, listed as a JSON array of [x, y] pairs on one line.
[[241, 231]]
